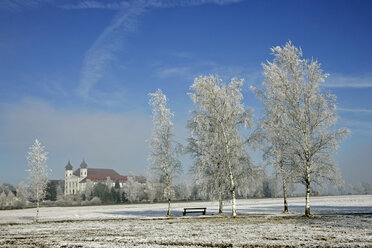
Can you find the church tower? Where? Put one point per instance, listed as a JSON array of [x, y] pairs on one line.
[[68, 174], [68, 171], [83, 169]]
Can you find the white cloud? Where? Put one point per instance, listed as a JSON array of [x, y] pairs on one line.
[[355, 110], [356, 125], [347, 81], [119, 4], [197, 68], [88, 4], [99, 56], [174, 71], [18, 5], [101, 53]]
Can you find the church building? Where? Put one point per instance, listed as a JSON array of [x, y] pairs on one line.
[[75, 181]]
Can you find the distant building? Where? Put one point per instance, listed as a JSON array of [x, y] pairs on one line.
[[75, 182]]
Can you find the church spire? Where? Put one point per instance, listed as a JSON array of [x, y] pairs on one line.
[[68, 166], [83, 164]]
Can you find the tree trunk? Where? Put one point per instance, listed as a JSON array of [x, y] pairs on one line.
[[285, 195], [169, 207], [232, 184], [37, 203], [233, 203], [169, 194], [307, 181], [220, 203]]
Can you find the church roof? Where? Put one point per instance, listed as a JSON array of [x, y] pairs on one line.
[[83, 164], [101, 175], [68, 166]]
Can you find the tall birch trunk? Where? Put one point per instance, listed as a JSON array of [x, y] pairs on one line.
[[169, 195], [285, 195], [233, 203], [169, 206], [37, 203], [220, 203], [284, 184], [232, 185], [307, 181]]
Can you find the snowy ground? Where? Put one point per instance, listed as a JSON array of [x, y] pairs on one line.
[[340, 221]]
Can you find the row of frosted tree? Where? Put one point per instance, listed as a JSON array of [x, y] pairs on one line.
[[296, 133]]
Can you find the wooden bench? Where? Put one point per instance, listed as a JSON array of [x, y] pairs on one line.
[[194, 210]]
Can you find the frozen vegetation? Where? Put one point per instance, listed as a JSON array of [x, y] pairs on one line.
[[297, 136], [338, 221]]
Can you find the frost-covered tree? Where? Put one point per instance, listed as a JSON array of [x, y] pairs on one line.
[[38, 173], [133, 189], [88, 190], [150, 191], [109, 182], [222, 161], [208, 169], [273, 139], [362, 188], [306, 115], [6, 187], [3, 200], [163, 157], [22, 195], [10, 199], [183, 191]]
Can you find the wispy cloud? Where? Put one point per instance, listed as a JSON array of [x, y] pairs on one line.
[[21, 5], [102, 52], [355, 110], [54, 88], [113, 5], [356, 125], [174, 71], [107, 4], [347, 81], [196, 68], [119, 4]]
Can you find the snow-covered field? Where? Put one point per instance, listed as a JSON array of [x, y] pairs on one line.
[[339, 221]]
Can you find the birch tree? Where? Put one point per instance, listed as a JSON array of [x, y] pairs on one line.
[[134, 190], [22, 195], [221, 157], [292, 88], [38, 173], [274, 141], [209, 172], [163, 155]]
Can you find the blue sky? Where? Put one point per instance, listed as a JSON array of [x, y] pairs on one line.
[[76, 74]]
